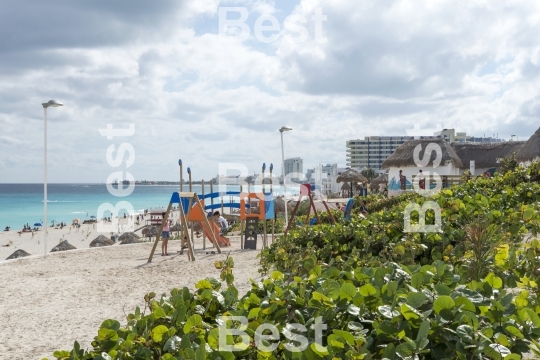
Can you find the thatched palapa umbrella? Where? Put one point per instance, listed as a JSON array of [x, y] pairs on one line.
[[150, 231], [351, 176], [18, 254], [63, 246], [130, 239], [128, 234], [381, 179], [100, 241], [279, 205]]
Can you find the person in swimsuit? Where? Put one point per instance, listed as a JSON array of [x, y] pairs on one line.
[[165, 235]]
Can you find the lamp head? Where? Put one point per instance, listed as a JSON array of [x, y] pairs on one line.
[[264, 166], [180, 162], [52, 103], [188, 170], [285, 128], [271, 167]]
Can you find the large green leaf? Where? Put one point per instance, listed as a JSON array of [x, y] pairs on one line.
[[465, 333], [386, 311], [193, 321], [443, 302], [158, 332], [416, 299], [348, 291], [368, 290], [172, 344]]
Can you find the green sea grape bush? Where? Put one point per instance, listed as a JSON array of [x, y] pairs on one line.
[[387, 312], [515, 210]]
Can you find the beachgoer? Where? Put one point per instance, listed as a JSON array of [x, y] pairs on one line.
[[421, 180], [402, 180], [363, 208], [223, 224], [165, 237]]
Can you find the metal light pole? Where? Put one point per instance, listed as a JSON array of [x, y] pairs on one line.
[[283, 129], [51, 103]]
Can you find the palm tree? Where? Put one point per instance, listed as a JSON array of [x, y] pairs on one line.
[[369, 174]]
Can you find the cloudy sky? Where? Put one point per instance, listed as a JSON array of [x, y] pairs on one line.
[[377, 68]]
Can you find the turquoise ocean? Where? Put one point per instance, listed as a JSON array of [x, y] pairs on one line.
[[23, 203]]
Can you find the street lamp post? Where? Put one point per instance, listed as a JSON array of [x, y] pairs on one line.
[[51, 103], [282, 130]]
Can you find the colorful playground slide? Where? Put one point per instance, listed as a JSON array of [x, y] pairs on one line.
[[223, 241]]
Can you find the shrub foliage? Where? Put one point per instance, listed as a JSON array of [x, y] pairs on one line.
[[468, 292]]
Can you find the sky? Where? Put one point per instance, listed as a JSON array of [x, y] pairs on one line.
[[197, 89]]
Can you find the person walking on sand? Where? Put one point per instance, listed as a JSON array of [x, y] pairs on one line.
[[165, 235]]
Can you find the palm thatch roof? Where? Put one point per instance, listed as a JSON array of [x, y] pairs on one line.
[[279, 205], [130, 240], [381, 179], [345, 186], [18, 254], [485, 155], [148, 232], [351, 175], [100, 241], [125, 235], [531, 149], [403, 156], [63, 246]]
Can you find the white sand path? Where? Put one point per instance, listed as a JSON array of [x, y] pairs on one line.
[[48, 303]]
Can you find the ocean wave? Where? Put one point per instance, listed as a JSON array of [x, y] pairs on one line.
[[60, 201], [78, 212]]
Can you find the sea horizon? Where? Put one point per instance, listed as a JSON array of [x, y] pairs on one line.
[[22, 203]]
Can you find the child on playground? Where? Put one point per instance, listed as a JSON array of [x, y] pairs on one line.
[[223, 224], [165, 234]]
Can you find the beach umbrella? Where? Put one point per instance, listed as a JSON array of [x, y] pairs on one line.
[[37, 224], [150, 231], [351, 176], [101, 240], [18, 254], [381, 179], [279, 205], [128, 234], [92, 217], [130, 239], [63, 246], [76, 220]]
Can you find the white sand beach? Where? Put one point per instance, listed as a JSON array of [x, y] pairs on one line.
[[48, 303]]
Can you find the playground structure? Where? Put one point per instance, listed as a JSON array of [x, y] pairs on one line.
[[250, 217], [305, 190], [193, 210]]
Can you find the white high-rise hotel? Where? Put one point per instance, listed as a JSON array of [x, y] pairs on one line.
[[294, 165], [373, 150]]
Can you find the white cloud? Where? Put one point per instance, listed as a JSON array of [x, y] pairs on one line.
[[473, 65]]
